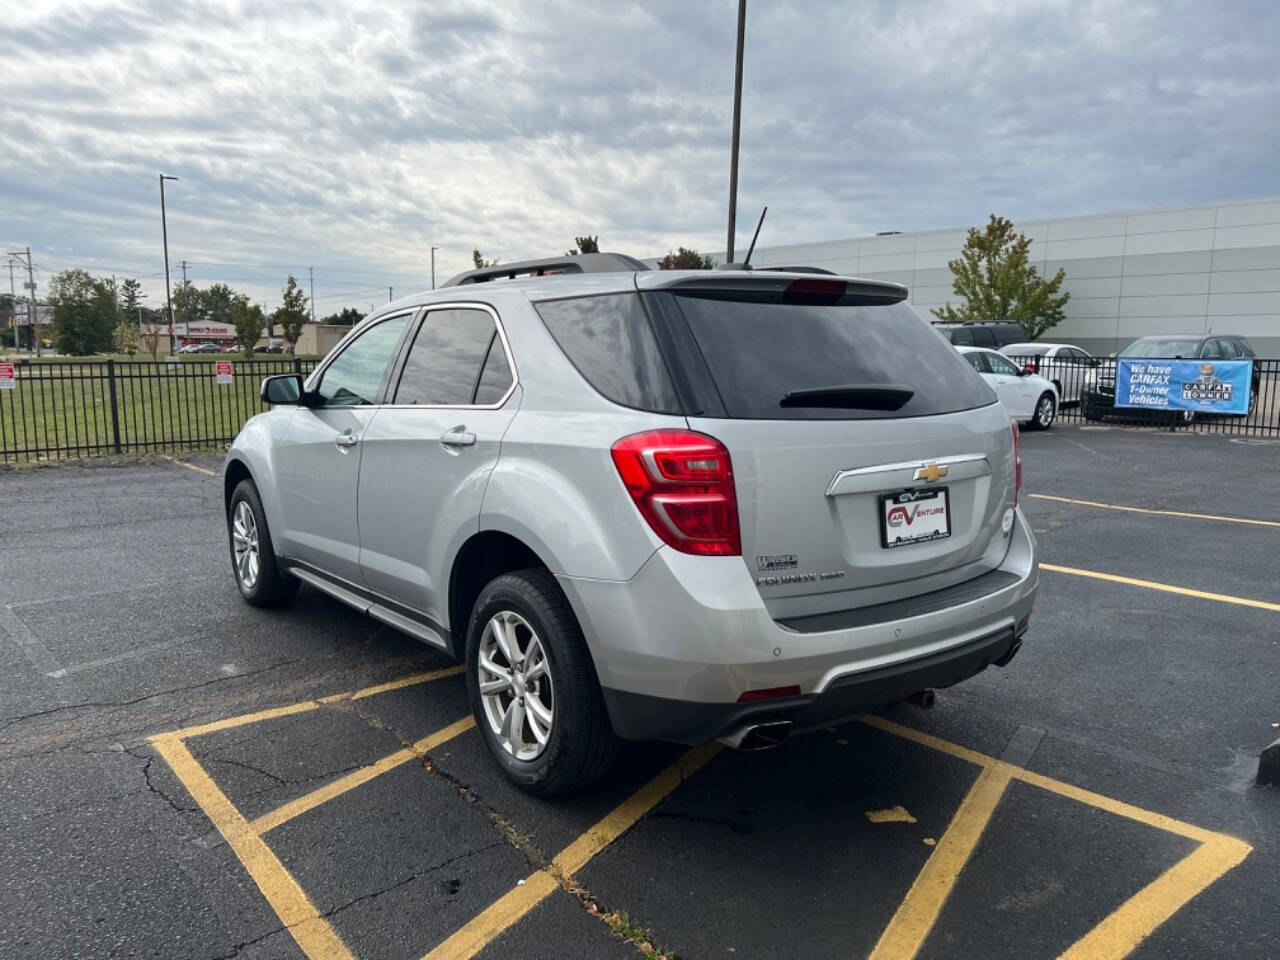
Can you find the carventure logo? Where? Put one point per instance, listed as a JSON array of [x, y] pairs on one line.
[[903, 516]]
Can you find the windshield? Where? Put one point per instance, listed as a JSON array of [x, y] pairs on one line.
[[1164, 347], [777, 361]]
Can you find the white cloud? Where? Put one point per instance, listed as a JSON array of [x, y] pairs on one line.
[[354, 136]]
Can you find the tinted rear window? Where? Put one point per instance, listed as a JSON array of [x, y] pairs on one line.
[[759, 352], [610, 341]]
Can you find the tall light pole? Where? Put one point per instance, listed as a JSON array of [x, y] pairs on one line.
[[433, 267], [164, 227], [737, 125]]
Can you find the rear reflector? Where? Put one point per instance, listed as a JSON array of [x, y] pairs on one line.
[[773, 693], [1021, 628], [682, 483]]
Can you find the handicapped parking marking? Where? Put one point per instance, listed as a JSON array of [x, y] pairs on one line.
[[1116, 936]]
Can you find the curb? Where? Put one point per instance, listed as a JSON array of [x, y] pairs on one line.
[[1269, 766]]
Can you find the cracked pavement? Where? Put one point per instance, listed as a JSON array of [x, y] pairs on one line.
[[119, 620]]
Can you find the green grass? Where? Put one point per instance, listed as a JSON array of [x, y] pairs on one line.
[[63, 408]]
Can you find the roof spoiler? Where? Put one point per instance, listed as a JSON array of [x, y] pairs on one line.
[[580, 263]]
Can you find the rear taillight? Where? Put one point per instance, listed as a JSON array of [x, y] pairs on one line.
[[682, 482], [1017, 462]]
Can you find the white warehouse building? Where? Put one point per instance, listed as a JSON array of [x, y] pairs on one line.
[[1178, 270]]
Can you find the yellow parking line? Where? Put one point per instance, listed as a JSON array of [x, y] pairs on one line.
[[335, 788], [1162, 513], [919, 910], [296, 911], [928, 740], [483, 929], [191, 466], [1164, 587], [1120, 933], [258, 716]]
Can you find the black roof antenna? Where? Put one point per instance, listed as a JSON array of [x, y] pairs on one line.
[[746, 264]]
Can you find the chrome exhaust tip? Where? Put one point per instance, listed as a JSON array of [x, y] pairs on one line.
[[924, 699], [758, 736]]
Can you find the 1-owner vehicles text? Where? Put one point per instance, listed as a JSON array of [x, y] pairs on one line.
[[648, 504]]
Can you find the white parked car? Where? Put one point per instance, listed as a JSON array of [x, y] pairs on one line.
[[1027, 397], [1062, 364]]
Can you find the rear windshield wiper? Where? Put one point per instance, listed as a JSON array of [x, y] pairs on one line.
[[852, 396]]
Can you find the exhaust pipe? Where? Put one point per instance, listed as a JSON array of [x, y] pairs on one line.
[[758, 736], [924, 699]]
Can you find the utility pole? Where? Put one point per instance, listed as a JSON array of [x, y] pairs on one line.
[[164, 227], [433, 267], [737, 126], [312, 278], [390, 295], [33, 312], [184, 273], [13, 308]]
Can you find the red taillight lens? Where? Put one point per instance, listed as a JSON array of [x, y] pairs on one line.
[[1017, 462], [682, 482]]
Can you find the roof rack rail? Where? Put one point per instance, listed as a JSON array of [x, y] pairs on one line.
[[581, 263], [822, 270]]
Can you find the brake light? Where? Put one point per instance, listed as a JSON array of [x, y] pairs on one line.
[[682, 483], [1017, 462], [813, 291]]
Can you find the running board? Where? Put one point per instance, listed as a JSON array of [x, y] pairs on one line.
[[370, 606]]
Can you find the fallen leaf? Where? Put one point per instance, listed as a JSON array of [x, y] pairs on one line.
[[892, 815]]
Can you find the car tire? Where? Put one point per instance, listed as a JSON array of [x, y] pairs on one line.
[[1182, 418], [564, 740], [1046, 412], [1090, 413], [259, 576]]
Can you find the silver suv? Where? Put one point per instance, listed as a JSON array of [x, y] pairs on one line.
[[648, 505]]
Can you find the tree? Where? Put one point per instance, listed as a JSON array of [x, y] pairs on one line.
[[292, 313], [130, 299], [346, 317], [217, 303], [186, 303], [248, 319], [480, 261], [127, 335], [685, 259], [585, 245], [997, 281], [84, 313]]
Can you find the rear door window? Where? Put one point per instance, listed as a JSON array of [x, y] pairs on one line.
[[961, 338], [443, 365], [983, 337], [610, 341], [758, 352]]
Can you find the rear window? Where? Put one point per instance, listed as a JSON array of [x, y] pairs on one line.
[[610, 341], [759, 352]]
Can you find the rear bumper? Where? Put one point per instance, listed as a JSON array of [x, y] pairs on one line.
[[637, 716], [679, 643]]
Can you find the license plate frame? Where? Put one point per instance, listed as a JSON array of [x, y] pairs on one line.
[[920, 498]]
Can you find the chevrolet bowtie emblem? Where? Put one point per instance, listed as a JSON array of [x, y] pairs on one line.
[[930, 472]]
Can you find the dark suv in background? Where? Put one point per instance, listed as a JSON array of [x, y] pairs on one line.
[[1098, 398], [991, 335]]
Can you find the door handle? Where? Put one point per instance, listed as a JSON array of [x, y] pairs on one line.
[[346, 441], [458, 437]]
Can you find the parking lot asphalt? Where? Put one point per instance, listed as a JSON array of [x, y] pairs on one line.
[[182, 775]]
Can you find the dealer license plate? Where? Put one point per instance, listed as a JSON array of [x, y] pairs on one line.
[[914, 516]]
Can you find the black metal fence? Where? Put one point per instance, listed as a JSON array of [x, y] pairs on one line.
[[73, 408], [78, 408], [1087, 391]]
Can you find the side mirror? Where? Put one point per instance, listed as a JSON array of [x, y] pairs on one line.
[[282, 390], [1025, 371]]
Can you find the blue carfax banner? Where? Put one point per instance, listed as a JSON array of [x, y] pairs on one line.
[[1209, 386]]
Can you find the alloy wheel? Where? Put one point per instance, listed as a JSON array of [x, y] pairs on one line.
[[1044, 412], [244, 545], [516, 685]]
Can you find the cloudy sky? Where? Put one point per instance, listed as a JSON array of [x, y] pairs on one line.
[[353, 136]]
